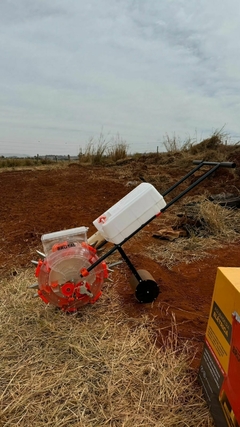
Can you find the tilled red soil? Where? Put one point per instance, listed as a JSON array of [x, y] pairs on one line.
[[39, 201]]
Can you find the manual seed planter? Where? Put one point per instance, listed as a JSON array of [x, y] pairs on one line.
[[70, 273]]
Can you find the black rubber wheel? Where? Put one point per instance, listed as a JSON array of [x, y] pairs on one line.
[[147, 291]]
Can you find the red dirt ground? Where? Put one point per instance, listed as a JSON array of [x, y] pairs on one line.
[[39, 201]]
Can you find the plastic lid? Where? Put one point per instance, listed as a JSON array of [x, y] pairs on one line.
[[69, 232]]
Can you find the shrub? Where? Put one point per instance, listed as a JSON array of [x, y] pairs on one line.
[[97, 152], [119, 149]]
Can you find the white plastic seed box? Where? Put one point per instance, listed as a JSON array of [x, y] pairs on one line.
[[130, 213], [68, 237]]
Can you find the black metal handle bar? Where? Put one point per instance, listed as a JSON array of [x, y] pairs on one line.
[[194, 184], [222, 164], [183, 179], [199, 164]]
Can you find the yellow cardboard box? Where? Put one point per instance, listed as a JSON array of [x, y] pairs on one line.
[[219, 371]]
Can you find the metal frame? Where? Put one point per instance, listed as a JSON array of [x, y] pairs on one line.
[[118, 247]]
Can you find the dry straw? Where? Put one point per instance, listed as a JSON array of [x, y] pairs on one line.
[[95, 368], [217, 226]]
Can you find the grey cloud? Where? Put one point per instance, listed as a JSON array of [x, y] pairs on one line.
[[191, 30], [20, 11], [134, 67]]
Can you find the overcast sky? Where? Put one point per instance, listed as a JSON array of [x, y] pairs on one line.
[[71, 69]]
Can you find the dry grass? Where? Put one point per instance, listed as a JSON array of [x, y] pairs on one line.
[[218, 221], [24, 162], [218, 147], [218, 226], [182, 250], [104, 150], [95, 368], [94, 151], [118, 151]]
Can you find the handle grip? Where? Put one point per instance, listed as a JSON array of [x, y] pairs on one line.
[[222, 164]]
